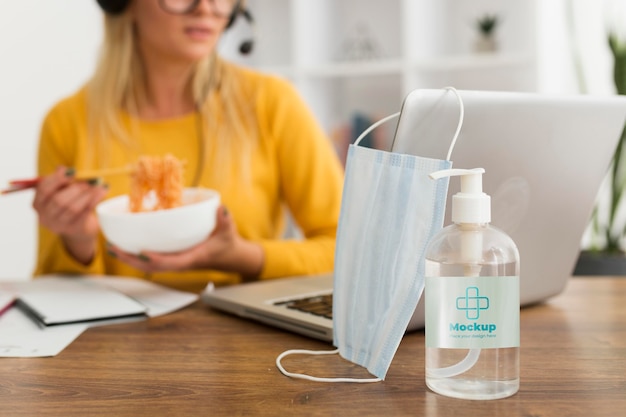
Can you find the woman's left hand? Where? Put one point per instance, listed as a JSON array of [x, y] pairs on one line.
[[223, 250]]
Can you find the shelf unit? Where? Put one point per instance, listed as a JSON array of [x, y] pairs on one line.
[[348, 56]]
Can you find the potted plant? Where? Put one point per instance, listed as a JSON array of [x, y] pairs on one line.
[[606, 250], [486, 26]]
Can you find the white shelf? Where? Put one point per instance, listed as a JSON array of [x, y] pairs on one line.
[[483, 61], [423, 44], [354, 68], [343, 69], [450, 63]]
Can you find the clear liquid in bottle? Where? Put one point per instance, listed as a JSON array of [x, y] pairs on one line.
[[472, 371]]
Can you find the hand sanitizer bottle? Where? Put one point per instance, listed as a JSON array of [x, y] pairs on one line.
[[472, 300]]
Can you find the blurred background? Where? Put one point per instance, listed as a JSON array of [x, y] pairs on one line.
[[352, 60]]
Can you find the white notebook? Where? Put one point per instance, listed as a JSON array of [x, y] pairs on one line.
[[62, 300]]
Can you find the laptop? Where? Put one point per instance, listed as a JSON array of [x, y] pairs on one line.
[[544, 159]]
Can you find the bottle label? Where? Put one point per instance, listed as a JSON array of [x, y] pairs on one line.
[[472, 312]]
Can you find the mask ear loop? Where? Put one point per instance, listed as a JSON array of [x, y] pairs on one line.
[[462, 364], [315, 378], [393, 116], [374, 126], [459, 124]]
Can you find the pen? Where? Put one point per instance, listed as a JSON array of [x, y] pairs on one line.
[[6, 305]]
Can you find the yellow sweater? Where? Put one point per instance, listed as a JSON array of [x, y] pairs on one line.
[[294, 166]]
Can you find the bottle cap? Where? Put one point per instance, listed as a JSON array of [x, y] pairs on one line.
[[470, 205]]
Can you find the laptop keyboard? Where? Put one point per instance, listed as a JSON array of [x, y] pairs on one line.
[[319, 305]]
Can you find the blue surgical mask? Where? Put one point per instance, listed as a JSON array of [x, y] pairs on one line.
[[390, 210]]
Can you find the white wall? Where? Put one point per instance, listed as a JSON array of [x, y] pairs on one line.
[[575, 30], [48, 49]]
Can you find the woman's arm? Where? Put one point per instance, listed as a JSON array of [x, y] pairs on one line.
[[68, 230]]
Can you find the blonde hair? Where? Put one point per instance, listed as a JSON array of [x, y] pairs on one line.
[[221, 100]]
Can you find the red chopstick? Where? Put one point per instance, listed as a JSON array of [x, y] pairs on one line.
[[14, 189], [19, 185], [25, 182], [89, 175], [28, 183]]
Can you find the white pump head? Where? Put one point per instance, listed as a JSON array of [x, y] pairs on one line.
[[470, 205]]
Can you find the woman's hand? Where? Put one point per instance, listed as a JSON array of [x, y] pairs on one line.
[[66, 207], [223, 250]]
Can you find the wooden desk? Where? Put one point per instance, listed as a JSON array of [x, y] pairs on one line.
[[199, 362]]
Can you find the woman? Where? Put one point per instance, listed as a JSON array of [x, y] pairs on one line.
[[160, 88]]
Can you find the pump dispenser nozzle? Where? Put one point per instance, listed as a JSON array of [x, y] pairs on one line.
[[470, 205]]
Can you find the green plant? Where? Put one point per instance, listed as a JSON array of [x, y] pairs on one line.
[[487, 24], [608, 230]]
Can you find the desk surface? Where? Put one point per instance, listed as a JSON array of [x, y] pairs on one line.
[[201, 362]]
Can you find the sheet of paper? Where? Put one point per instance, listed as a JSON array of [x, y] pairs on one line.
[[20, 336]]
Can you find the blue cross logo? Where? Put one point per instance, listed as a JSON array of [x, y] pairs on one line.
[[472, 303]]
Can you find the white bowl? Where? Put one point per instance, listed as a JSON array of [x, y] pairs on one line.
[[170, 230]]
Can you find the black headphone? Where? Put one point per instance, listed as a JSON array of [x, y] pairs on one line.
[[118, 6]]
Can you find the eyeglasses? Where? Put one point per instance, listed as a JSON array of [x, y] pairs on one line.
[[222, 8]]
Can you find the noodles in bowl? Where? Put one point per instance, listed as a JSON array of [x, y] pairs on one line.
[[160, 177], [164, 230]]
